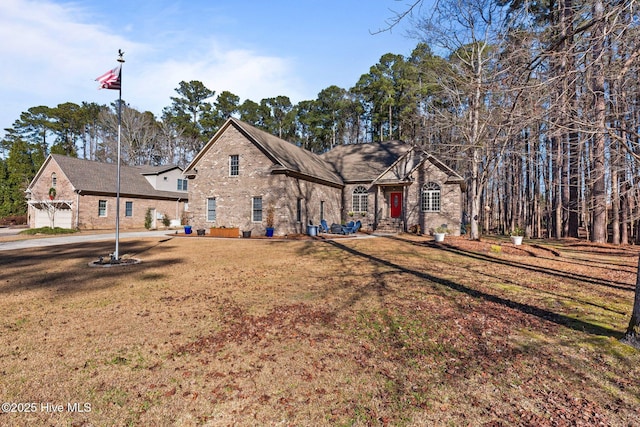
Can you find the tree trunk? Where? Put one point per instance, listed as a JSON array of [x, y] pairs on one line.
[[615, 206], [632, 336], [624, 207], [598, 190], [557, 185]]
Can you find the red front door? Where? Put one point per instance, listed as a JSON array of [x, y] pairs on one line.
[[396, 205]]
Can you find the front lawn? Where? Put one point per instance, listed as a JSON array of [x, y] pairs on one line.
[[377, 331]]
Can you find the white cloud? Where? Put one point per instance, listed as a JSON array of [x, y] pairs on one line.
[[52, 53]]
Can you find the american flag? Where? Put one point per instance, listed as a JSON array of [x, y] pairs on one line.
[[110, 79]]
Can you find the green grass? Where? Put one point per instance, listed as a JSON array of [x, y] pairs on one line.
[[48, 230]]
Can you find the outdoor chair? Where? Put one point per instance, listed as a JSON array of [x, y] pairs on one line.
[[348, 229], [324, 228]]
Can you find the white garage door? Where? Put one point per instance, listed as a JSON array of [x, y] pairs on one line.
[[62, 218]]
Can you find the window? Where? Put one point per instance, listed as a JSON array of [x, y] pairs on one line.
[[54, 180], [182, 184], [256, 209], [211, 209], [102, 208], [360, 199], [234, 165], [128, 208], [430, 197], [321, 210]]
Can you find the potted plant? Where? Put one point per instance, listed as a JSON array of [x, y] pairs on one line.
[[52, 193], [185, 223], [270, 220], [517, 235], [439, 233]]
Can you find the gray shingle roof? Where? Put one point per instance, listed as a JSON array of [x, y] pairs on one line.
[[364, 162], [288, 156], [96, 177], [344, 163]]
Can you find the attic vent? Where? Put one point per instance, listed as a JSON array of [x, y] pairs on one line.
[[165, 178]]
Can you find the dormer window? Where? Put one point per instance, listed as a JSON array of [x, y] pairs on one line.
[[234, 165]]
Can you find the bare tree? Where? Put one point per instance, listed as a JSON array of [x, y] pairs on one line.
[[483, 90]]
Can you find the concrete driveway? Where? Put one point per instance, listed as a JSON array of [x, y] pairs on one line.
[[72, 238]]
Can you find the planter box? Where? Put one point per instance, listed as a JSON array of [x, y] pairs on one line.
[[224, 232]]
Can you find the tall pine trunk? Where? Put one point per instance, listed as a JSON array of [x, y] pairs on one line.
[[599, 232]]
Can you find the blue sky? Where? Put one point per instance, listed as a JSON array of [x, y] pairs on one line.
[[53, 50]]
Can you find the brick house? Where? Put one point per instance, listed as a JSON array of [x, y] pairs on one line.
[[85, 194], [243, 172]]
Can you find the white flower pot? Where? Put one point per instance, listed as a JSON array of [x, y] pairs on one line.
[[439, 237], [517, 240]]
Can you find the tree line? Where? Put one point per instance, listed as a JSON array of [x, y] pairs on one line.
[[534, 103], [383, 104]]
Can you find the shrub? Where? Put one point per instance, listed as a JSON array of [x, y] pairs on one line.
[[148, 220]]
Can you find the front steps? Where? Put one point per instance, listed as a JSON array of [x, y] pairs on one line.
[[390, 226]]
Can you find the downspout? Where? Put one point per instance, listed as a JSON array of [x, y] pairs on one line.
[[78, 209]]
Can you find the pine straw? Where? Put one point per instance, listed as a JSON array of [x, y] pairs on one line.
[[382, 331]]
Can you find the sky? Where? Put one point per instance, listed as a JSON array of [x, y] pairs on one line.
[[52, 51]]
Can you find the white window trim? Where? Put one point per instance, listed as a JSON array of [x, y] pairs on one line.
[[237, 166], [106, 208], [360, 196], [125, 209], [428, 191], [253, 210], [206, 207]]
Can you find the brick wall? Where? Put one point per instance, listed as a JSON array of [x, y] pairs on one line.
[[85, 207], [90, 220], [450, 201], [234, 194]]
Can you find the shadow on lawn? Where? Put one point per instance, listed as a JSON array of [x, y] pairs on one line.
[[541, 313], [31, 269], [545, 270]]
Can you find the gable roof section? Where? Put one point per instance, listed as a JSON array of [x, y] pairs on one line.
[[100, 178], [157, 170], [382, 161], [365, 162], [289, 157]]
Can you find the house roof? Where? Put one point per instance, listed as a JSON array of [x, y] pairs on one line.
[[288, 157], [157, 170], [100, 178], [344, 163], [365, 162]]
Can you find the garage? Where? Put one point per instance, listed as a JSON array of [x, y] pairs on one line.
[[62, 217]]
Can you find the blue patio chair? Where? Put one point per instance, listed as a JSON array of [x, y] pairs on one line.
[[357, 226], [348, 229], [324, 228]]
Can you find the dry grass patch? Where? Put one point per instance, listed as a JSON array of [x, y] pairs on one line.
[[384, 331]]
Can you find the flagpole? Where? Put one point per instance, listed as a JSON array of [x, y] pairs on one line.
[[116, 254]]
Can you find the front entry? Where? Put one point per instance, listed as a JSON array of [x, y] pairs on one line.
[[396, 204]]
